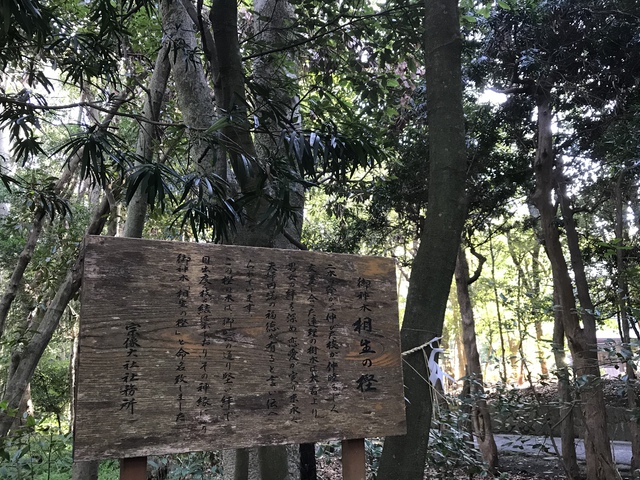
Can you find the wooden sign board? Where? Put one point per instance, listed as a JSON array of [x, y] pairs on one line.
[[192, 347]]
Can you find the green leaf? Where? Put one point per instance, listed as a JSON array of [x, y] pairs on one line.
[[504, 5]]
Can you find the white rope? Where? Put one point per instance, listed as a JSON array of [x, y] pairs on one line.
[[435, 371], [413, 350]]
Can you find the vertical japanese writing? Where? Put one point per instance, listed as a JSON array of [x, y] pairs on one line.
[[364, 326], [271, 329], [312, 339], [333, 346], [203, 401], [184, 287], [249, 287], [228, 319], [292, 342], [131, 368]]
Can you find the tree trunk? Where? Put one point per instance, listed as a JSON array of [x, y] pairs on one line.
[[192, 89], [25, 408], [565, 397], [250, 172], [39, 216], [85, 470], [625, 323], [79, 470], [480, 417], [503, 350], [147, 137], [596, 431], [38, 342], [535, 273], [277, 75], [531, 283], [136, 211], [404, 456], [582, 341]]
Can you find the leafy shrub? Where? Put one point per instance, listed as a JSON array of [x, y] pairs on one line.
[[34, 451]]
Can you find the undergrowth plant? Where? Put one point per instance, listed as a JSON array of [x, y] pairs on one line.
[[35, 450]]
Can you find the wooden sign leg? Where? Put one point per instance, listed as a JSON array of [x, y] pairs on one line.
[[353, 459], [133, 468]]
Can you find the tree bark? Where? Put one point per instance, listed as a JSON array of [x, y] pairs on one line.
[[26, 403], [565, 397], [625, 322], [38, 342], [277, 74], [85, 470], [404, 456], [250, 172], [597, 440], [535, 273], [480, 416], [237, 140], [147, 137], [582, 340], [192, 89]]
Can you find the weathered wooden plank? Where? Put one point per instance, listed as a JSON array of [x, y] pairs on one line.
[[353, 459], [187, 347], [133, 468]]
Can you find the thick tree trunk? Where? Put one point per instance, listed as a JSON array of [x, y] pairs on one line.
[[250, 170], [404, 456], [276, 74], [192, 89], [565, 397], [582, 341], [480, 416], [596, 432], [38, 342]]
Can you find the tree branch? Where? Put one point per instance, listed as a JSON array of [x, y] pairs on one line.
[[294, 241], [94, 105], [322, 33], [481, 260]]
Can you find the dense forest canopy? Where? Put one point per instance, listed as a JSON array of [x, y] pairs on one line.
[[345, 127]]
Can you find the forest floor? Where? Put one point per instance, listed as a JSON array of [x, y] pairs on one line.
[[545, 464], [542, 464], [513, 467], [516, 462]]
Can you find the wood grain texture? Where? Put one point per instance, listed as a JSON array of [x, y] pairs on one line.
[[190, 347], [133, 468], [353, 459]]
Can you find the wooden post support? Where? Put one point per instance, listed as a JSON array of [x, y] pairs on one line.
[[134, 468], [353, 459]]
